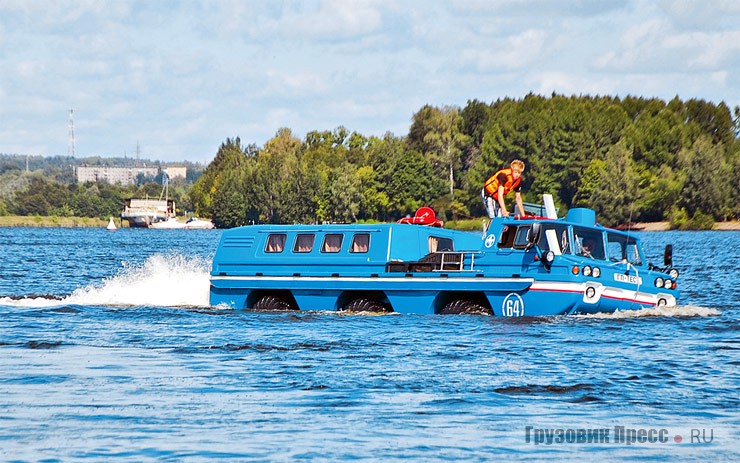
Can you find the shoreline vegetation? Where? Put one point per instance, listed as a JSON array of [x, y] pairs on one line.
[[52, 221], [476, 225], [630, 159], [470, 224]]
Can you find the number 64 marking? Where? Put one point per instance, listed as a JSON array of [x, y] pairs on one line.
[[513, 306]]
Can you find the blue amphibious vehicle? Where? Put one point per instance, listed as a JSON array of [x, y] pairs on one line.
[[532, 266]]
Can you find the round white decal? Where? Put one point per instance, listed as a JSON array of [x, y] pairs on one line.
[[513, 306], [490, 239]]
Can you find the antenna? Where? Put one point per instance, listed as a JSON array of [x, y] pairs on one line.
[[71, 141]]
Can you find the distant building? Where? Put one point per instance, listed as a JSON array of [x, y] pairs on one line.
[[176, 171], [120, 175], [124, 175]]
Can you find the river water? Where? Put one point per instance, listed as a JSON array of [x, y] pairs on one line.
[[110, 352]]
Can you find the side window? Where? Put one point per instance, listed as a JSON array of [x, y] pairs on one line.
[[507, 237], [623, 248], [360, 242], [438, 244], [276, 242], [332, 243], [304, 242], [520, 241]]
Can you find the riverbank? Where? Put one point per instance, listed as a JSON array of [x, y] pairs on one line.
[[471, 224], [663, 226], [51, 222]]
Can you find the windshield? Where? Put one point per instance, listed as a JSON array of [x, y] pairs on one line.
[[554, 238], [622, 248]]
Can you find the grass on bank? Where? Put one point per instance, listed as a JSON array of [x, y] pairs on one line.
[[51, 221]]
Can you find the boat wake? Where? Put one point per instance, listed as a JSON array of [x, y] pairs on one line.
[[163, 280], [676, 311]]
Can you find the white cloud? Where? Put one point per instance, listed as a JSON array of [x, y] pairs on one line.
[[707, 49], [655, 46], [568, 84], [509, 53], [332, 20]]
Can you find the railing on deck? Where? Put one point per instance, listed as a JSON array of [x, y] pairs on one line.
[[441, 261]]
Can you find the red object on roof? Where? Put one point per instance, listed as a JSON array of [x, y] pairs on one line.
[[531, 217], [424, 216]]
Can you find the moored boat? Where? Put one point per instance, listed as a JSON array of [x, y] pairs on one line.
[[528, 266], [170, 224], [194, 223], [145, 212]]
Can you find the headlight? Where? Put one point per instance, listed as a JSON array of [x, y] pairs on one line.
[[590, 292], [596, 272], [587, 271], [549, 257], [659, 282], [673, 273], [668, 284]]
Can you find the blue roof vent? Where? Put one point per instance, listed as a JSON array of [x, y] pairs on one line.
[[582, 216]]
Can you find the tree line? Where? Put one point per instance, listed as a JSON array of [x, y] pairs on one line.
[[630, 159]]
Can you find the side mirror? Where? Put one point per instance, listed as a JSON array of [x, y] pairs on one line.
[[533, 237], [668, 255]]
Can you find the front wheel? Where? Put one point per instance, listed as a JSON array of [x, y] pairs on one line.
[[465, 307]]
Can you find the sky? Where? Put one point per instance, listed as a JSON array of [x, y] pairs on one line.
[[177, 78]]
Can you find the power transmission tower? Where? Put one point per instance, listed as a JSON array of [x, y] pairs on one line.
[[71, 141]]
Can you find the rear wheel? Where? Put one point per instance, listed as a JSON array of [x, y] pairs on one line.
[[464, 306], [365, 305], [271, 303]]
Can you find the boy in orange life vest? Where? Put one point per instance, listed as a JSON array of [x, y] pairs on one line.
[[499, 185]]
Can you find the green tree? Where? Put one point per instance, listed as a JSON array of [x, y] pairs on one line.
[[343, 196], [440, 139], [609, 187], [229, 204], [494, 149], [707, 179], [230, 156], [40, 197]]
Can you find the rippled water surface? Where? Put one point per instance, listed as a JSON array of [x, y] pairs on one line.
[[109, 352]]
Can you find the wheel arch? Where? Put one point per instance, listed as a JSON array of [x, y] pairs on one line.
[[348, 296], [477, 297], [258, 294]]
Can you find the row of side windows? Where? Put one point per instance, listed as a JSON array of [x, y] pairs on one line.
[[304, 242]]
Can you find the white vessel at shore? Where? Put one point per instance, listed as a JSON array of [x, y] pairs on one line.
[[193, 223]]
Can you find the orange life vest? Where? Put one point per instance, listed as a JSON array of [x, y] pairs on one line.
[[492, 184]]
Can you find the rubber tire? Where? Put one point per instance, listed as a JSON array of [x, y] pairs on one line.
[[272, 303], [365, 305], [464, 307]]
